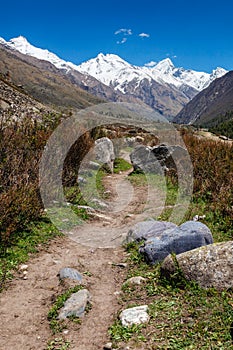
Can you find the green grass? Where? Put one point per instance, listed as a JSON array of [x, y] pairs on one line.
[[58, 344], [55, 324], [182, 315], [121, 165], [23, 245]]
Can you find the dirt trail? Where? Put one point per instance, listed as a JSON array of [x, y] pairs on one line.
[[94, 247]]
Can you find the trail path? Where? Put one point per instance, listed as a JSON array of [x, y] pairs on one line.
[[94, 247]]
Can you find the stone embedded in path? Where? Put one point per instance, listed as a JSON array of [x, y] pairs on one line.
[[209, 266], [75, 305], [135, 280], [71, 273], [134, 315], [185, 237], [146, 229]]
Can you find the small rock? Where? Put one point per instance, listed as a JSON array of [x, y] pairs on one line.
[[134, 315], [75, 305], [135, 280], [107, 346], [123, 265], [23, 267], [99, 203], [94, 165], [71, 273]]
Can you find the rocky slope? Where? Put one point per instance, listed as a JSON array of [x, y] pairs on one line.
[[15, 104], [42, 81], [209, 104]]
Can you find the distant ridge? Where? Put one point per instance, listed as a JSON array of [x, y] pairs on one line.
[[210, 104]]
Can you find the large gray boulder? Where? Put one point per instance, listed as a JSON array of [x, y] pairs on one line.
[[157, 159], [146, 229], [209, 266], [104, 152], [188, 236]]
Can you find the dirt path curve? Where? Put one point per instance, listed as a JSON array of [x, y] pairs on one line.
[[95, 250]]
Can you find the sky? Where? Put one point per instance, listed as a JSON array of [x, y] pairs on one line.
[[193, 34]]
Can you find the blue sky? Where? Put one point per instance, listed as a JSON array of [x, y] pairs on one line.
[[194, 34]]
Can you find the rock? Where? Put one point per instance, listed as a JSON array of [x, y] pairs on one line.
[[156, 159], [23, 267], [75, 305], [185, 237], [104, 152], [100, 203], [107, 346], [209, 266], [81, 180], [93, 165], [135, 280], [145, 229], [68, 272], [134, 315]]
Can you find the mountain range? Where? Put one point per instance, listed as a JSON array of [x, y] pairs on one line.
[[161, 85]]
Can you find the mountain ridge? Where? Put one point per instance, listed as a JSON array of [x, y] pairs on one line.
[[162, 86], [210, 104]]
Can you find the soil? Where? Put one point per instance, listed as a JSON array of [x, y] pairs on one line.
[[95, 249]]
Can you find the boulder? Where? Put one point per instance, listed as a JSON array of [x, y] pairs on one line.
[[134, 315], [209, 266], [156, 159], [75, 305], [104, 152], [185, 237], [146, 229]]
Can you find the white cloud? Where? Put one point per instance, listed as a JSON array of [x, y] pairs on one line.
[[124, 31], [150, 64], [122, 41], [144, 35]]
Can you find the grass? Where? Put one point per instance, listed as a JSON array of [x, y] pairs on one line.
[[182, 315], [121, 164], [23, 245], [58, 344], [55, 324]]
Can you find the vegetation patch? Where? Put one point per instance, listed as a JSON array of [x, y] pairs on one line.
[[58, 325], [121, 165], [182, 315]]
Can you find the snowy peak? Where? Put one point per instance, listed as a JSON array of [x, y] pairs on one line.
[[23, 46], [112, 70], [165, 66], [115, 72]]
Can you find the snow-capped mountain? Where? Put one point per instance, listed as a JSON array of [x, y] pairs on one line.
[[113, 70], [22, 45], [161, 85]]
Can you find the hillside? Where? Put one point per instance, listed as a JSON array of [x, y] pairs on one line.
[[210, 105], [43, 81]]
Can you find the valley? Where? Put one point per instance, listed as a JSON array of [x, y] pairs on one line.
[[139, 210]]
